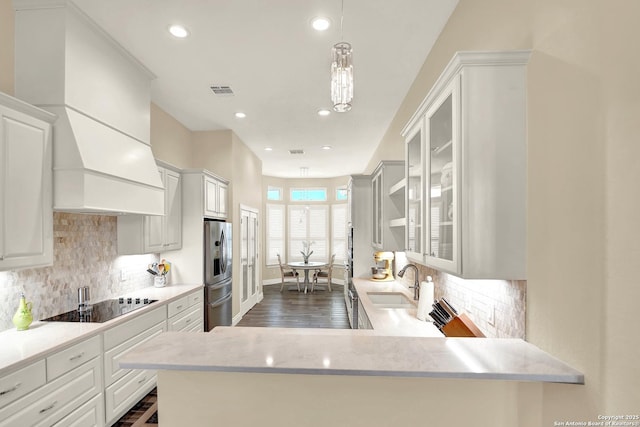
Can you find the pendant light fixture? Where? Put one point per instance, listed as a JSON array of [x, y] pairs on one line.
[[341, 73]]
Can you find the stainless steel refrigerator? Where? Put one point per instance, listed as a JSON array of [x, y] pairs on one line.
[[217, 273]]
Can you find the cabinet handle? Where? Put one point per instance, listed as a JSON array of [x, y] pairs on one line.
[[179, 307], [142, 380], [48, 408], [10, 390], [76, 357], [188, 321]]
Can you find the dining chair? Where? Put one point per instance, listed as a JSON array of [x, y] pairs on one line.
[[284, 273], [324, 273]]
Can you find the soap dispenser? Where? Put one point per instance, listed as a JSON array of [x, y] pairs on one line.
[[23, 317]]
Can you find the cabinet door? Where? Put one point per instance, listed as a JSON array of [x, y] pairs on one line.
[[26, 217], [376, 209], [154, 224], [443, 180], [414, 173], [210, 197], [222, 199], [173, 209]]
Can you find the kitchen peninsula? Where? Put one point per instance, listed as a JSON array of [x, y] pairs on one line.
[[366, 377]]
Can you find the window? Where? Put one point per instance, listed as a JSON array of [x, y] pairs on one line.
[[274, 193], [339, 232], [275, 234], [308, 224], [341, 194], [308, 195]]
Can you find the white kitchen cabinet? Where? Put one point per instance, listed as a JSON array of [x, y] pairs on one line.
[[26, 215], [139, 234], [215, 197], [125, 387], [59, 398], [187, 313], [414, 208], [472, 128], [207, 191], [19, 383], [72, 357], [89, 414], [387, 207]]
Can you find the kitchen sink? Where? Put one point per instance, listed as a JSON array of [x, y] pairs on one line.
[[390, 300]]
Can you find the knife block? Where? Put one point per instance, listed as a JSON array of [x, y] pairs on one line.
[[462, 326]]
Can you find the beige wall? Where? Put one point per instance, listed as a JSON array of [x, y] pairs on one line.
[[250, 399], [170, 140], [6, 47], [583, 226]]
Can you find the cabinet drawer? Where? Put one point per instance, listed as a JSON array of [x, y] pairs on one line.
[[112, 370], [126, 392], [187, 320], [57, 399], [123, 332], [91, 414], [178, 306], [72, 357], [21, 382], [196, 297]]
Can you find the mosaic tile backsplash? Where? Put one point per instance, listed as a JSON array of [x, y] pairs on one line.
[[478, 298], [84, 255]]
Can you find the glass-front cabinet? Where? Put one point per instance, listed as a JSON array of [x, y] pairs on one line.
[[442, 179], [466, 169], [413, 195]]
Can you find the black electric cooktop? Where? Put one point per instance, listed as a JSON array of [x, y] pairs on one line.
[[102, 311]]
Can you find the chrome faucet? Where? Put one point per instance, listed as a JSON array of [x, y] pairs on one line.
[[416, 282]]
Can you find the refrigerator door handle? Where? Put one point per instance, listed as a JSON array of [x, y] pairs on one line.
[[223, 252], [220, 302]]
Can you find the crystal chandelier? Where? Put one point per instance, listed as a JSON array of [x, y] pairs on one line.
[[341, 74]]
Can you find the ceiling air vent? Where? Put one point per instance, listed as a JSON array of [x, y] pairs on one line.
[[222, 90], [296, 151]]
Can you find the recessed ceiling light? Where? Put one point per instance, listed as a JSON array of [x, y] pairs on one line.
[[326, 147], [320, 24], [240, 115], [178, 31], [323, 112], [268, 149]]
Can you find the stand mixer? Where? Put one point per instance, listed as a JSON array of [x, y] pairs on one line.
[[383, 274]]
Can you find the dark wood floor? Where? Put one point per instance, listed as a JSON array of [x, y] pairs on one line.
[[293, 309]]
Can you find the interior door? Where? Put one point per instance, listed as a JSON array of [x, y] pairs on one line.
[[249, 289]]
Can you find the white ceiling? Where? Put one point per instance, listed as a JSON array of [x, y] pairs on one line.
[[278, 68]]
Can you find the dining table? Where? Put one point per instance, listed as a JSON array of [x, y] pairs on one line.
[[307, 266]]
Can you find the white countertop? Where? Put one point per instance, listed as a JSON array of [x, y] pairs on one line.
[[398, 345], [19, 348], [344, 352], [397, 321]]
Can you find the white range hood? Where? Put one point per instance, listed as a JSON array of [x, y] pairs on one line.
[[102, 158]]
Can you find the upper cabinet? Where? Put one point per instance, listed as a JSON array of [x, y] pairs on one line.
[[155, 233], [208, 193], [388, 190], [215, 194], [466, 169], [413, 191], [26, 216]]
